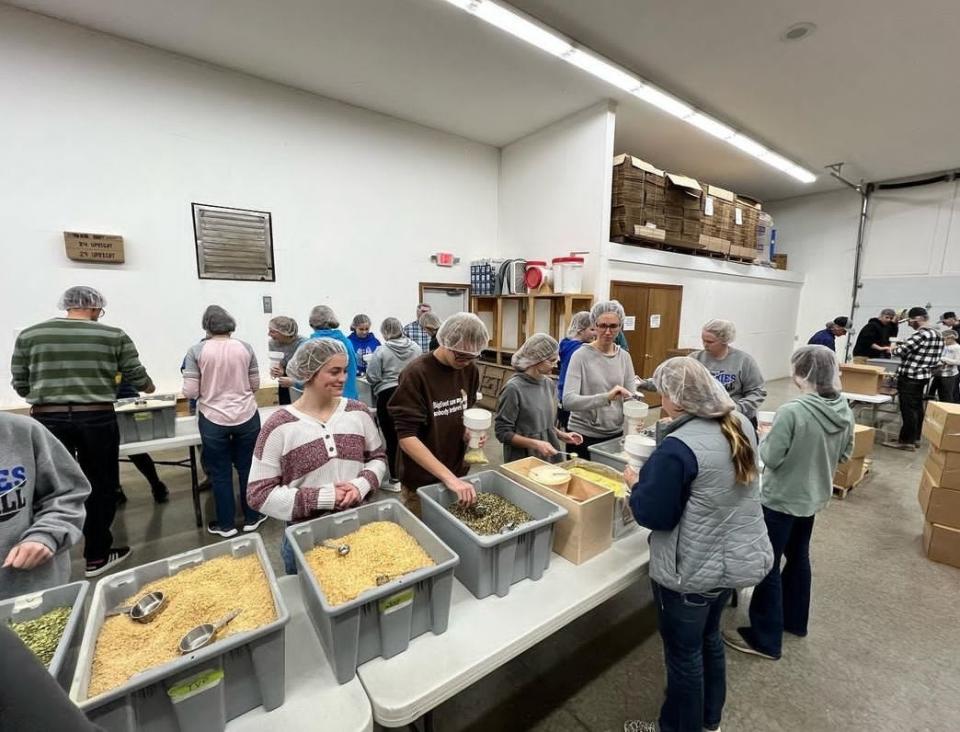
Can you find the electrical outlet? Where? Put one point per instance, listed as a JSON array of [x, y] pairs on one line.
[[267, 304]]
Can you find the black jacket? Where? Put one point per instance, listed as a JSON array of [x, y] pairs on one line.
[[875, 333]]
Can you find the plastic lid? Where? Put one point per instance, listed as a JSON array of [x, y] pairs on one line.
[[569, 260], [535, 263], [533, 278]]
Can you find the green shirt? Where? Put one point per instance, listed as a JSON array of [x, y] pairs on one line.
[[64, 361]]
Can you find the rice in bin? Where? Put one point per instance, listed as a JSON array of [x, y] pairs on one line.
[[380, 548], [197, 595]]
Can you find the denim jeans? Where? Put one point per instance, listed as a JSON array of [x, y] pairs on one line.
[[782, 600], [286, 553], [226, 448], [693, 652]]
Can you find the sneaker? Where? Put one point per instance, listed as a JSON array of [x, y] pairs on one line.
[[204, 485], [98, 566], [121, 496], [900, 445], [391, 486], [711, 729], [253, 525], [639, 725], [214, 528], [735, 639], [160, 493]]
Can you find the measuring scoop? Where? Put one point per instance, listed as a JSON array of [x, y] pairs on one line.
[[204, 634], [341, 549], [144, 610]]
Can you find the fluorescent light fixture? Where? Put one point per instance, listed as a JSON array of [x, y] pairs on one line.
[[546, 39]]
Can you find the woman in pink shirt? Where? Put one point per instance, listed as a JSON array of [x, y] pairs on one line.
[[221, 374]]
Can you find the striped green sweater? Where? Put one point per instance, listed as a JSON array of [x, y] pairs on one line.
[[63, 361]]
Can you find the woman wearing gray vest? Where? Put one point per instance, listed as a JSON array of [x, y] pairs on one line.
[[699, 494], [810, 435]]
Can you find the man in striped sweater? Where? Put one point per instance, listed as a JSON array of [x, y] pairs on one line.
[[66, 368]]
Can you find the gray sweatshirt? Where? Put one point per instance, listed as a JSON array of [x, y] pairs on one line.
[[42, 491], [526, 407], [383, 371], [590, 376], [739, 374]]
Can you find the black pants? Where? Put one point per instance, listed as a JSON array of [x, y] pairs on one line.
[[144, 463], [93, 438], [283, 395], [563, 418], [944, 389], [910, 393], [389, 431], [583, 450]]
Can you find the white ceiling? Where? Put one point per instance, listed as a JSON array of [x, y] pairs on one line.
[[873, 86]]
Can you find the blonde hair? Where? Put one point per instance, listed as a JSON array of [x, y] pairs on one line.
[[742, 452]]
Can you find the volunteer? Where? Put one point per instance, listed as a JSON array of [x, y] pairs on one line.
[[839, 326], [325, 324], [415, 332], [285, 338], [581, 331], [874, 339], [949, 320], [430, 324], [363, 341], [946, 382], [737, 371]]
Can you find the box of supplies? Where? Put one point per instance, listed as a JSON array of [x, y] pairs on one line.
[[858, 378], [941, 543], [849, 473], [939, 505], [944, 468], [941, 425], [863, 438]]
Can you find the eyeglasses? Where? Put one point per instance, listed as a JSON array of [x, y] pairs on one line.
[[464, 357], [607, 326]]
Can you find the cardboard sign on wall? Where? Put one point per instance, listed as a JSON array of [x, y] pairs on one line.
[[104, 248]]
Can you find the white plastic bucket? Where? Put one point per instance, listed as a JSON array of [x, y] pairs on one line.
[[634, 413], [478, 421], [638, 448], [568, 275]]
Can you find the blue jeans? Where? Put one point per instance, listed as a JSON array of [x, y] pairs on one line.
[[286, 553], [226, 448], [693, 652], [782, 600]]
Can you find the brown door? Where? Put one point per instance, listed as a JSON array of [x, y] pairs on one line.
[[656, 313]]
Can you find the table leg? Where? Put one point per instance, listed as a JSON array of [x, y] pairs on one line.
[[195, 486], [424, 724]]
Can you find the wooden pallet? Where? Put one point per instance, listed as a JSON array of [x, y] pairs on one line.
[[841, 492]]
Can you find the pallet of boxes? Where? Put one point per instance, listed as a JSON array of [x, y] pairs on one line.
[[638, 194], [852, 473], [939, 494]]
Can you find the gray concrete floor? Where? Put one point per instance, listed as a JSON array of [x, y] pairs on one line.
[[882, 653]]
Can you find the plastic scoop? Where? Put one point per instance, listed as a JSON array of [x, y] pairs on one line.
[[144, 610], [200, 636]]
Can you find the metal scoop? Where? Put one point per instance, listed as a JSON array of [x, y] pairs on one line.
[[508, 527], [341, 549], [200, 636], [144, 610]]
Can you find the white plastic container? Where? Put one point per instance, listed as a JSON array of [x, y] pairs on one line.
[[478, 421], [539, 276], [634, 413], [765, 419], [638, 448], [568, 275]]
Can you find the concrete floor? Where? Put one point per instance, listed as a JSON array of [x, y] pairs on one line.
[[882, 653]]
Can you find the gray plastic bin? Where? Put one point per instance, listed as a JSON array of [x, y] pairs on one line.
[[34, 604], [198, 692], [151, 418], [491, 564], [383, 620]]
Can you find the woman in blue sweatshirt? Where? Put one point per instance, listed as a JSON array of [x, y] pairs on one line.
[[325, 324], [581, 331], [699, 494], [363, 341]]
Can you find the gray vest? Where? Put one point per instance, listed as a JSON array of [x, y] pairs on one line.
[[721, 540]]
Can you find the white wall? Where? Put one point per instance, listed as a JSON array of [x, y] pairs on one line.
[[107, 136]]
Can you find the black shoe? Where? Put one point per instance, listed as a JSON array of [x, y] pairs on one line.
[[98, 566], [214, 528], [204, 485], [249, 526], [121, 496], [160, 493]]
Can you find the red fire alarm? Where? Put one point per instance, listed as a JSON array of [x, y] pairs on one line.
[[444, 259]]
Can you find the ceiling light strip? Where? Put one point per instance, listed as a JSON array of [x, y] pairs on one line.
[[546, 39]]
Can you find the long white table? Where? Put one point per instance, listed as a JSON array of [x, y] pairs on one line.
[[874, 400], [314, 700], [485, 634]]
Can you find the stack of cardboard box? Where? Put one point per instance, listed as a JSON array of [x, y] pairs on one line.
[[637, 198], [716, 219], [939, 494], [853, 471], [746, 217], [683, 198]]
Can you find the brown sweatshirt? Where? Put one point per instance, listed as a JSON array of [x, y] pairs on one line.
[[429, 404]]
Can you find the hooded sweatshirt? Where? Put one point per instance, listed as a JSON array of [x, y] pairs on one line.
[[363, 347], [740, 375], [526, 407], [874, 333], [383, 371], [568, 346], [810, 436], [349, 388]]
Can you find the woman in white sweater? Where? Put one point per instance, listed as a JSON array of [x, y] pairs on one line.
[[320, 455]]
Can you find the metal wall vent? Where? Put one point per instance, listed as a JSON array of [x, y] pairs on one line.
[[233, 243]]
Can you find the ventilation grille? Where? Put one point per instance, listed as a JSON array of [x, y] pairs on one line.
[[233, 244]]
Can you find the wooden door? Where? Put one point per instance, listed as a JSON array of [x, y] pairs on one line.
[[656, 325]]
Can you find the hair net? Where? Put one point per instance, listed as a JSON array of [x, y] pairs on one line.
[[815, 367], [217, 321], [391, 329], [724, 330], [579, 323], [949, 334], [889, 311], [311, 356], [607, 306], [322, 317], [464, 332], [429, 321], [536, 349], [81, 298], [690, 386], [358, 320], [284, 326]]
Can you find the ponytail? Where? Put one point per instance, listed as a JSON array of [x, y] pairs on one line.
[[744, 457]]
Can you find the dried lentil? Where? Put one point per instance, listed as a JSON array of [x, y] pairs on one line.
[[494, 513]]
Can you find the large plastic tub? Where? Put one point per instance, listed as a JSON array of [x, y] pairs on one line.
[[198, 692], [383, 620], [150, 418], [33, 605], [490, 564]]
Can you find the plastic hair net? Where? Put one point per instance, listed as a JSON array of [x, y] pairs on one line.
[[815, 368], [81, 298], [322, 317], [724, 330], [536, 349], [691, 387], [464, 332], [429, 321], [284, 326], [608, 306], [311, 356], [217, 321], [579, 323], [358, 320], [391, 329]]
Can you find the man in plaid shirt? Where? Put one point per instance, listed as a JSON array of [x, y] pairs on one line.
[[920, 356], [415, 333]]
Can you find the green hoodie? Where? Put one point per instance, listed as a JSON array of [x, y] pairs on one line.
[[810, 435]]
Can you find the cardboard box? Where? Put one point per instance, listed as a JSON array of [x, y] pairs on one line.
[[779, 261], [939, 505], [649, 232], [849, 473], [943, 467], [715, 244], [586, 530], [863, 439], [942, 543], [858, 378], [941, 426]]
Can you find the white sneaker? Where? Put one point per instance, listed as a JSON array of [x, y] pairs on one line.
[[639, 725], [391, 486], [254, 525]]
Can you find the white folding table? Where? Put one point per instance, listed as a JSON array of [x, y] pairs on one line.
[[875, 400], [485, 634]]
